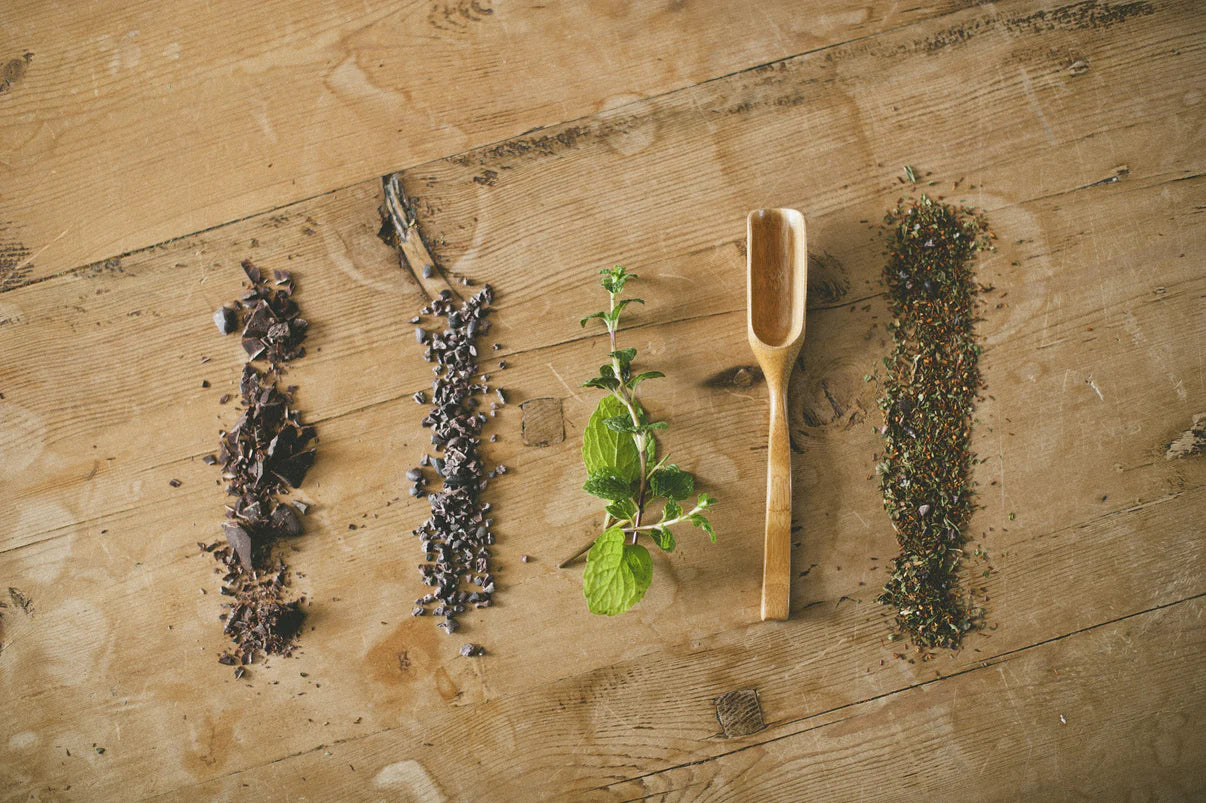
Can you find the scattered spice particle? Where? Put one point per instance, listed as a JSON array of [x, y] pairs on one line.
[[930, 389]]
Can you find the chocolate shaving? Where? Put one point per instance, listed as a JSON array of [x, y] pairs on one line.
[[264, 454], [240, 541]]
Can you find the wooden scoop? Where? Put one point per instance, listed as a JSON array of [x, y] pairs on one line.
[[776, 289]]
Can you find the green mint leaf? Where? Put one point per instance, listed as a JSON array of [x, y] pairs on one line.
[[672, 510], [701, 521], [617, 574], [641, 377], [704, 501], [604, 382], [663, 538], [607, 371], [653, 425], [671, 482], [614, 315], [623, 509], [604, 449], [620, 423], [614, 279], [624, 356], [592, 315], [606, 485]]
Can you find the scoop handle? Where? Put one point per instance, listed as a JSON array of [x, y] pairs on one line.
[[776, 567]]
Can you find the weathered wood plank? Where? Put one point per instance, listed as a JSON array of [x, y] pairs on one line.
[[667, 181], [128, 126], [699, 593], [1093, 365], [1099, 713], [852, 263], [358, 332], [584, 733]]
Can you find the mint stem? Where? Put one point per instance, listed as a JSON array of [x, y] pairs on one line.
[[624, 394]]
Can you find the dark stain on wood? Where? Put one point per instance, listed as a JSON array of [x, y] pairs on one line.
[[1088, 15], [13, 71], [739, 713], [828, 282], [488, 178], [25, 603], [106, 267], [739, 377], [15, 264], [457, 16], [543, 422], [545, 145]]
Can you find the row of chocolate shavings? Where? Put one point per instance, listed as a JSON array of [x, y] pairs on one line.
[[456, 539], [266, 453]]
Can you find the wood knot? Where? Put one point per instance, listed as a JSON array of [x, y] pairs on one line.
[[739, 713], [742, 377], [543, 422]]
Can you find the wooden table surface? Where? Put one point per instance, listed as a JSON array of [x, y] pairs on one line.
[[146, 149]]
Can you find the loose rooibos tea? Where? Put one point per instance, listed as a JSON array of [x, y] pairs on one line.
[[932, 381]]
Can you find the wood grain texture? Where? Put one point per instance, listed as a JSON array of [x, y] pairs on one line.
[[132, 125], [1093, 342]]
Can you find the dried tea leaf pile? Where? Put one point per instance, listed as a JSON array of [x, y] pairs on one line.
[[267, 452], [930, 389]]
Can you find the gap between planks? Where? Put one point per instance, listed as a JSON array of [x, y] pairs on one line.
[[482, 147], [985, 663]]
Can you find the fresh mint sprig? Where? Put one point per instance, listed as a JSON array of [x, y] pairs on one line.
[[619, 450]]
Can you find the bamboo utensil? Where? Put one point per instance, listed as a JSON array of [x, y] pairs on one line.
[[776, 290]]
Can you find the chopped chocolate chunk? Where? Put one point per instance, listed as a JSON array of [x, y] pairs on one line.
[[175, 483], [293, 470], [263, 454], [240, 541], [286, 521], [226, 319]]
